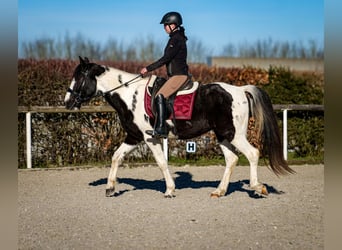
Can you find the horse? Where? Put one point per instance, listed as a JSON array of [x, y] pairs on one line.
[[220, 107]]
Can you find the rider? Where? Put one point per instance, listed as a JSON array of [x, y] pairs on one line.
[[174, 58]]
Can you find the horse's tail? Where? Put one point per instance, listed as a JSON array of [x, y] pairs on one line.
[[267, 128]]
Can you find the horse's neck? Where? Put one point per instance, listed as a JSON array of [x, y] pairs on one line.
[[112, 78]]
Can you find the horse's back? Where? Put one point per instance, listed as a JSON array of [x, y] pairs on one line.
[[213, 110], [237, 91]]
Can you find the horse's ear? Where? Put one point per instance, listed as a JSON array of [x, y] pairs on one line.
[[81, 60]]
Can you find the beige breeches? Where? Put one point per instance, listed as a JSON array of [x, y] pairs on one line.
[[172, 85]]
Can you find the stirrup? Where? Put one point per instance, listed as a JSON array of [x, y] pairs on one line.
[[154, 134]]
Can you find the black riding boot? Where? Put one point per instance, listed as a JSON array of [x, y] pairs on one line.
[[160, 129]]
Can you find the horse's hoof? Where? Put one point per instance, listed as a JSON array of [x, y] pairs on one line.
[[261, 192], [110, 192], [264, 190], [169, 195], [260, 189], [214, 195]]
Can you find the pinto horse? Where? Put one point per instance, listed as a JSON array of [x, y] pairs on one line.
[[220, 107]]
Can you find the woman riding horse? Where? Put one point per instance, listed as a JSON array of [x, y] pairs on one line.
[[174, 58]]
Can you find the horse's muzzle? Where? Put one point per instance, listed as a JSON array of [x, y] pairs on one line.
[[72, 104]]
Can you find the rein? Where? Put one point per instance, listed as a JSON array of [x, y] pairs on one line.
[[123, 84]]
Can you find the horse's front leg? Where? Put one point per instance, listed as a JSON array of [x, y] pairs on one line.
[[156, 148], [117, 158]]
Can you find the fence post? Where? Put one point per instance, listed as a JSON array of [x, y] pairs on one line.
[[28, 140], [285, 133]]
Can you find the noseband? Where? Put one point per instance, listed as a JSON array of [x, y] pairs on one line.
[[78, 97]]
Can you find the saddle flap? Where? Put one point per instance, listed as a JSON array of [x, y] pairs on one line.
[[149, 87]]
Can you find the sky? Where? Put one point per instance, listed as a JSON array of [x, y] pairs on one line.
[[214, 23]]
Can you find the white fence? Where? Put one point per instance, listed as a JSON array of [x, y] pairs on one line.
[[106, 108]]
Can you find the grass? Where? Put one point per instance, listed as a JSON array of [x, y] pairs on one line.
[[193, 159], [202, 161]]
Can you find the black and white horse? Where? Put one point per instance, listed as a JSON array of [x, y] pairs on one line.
[[220, 107]]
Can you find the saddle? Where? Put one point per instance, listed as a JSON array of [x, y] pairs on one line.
[[179, 104]]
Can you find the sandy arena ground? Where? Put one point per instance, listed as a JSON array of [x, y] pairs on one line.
[[67, 209]]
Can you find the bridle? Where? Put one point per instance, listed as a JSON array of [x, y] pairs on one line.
[[79, 99], [77, 95]]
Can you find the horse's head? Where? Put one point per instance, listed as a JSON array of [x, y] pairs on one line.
[[84, 84]]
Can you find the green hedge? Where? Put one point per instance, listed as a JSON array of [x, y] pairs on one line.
[[82, 138]]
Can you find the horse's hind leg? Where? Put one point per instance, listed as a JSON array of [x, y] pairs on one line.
[[117, 158], [252, 154], [231, 159]]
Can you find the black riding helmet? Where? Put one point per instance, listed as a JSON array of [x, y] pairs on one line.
[[172, 18]]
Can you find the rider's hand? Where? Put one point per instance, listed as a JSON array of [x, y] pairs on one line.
[[143, 71]]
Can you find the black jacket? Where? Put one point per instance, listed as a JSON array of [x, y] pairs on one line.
[[174, 57]]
